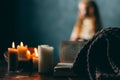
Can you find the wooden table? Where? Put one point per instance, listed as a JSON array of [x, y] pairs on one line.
[[4, 75]]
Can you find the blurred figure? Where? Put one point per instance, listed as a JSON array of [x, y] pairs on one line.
[[88, 22]]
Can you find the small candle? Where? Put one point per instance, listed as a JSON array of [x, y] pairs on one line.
[[29, 56], [45, 59], [30, 64], [35, 59], [22, 51], [12, 58], [26, 65]]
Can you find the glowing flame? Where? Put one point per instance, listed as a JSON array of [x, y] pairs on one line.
[[36, 52], [13, 45], [21, 43], [28, 52]]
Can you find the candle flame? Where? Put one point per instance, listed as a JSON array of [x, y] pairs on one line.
[[13, 44], [36, 52], [21, 43], [28, 52], [28, 55]]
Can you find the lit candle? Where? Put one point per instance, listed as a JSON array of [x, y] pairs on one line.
[[29, 56], [12, 58], [26, 65], [12, 50], [22, 51], [35, 59]]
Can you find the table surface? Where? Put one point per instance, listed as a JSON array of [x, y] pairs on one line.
[[4, 75]]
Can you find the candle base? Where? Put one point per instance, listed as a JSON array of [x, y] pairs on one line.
[[25, 66], [12, 62]]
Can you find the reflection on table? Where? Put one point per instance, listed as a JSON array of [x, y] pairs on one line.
[[5, 75]]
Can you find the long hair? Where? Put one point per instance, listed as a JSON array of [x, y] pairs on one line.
[[97, 24]]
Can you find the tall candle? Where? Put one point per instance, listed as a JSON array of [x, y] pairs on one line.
[[12, 58], [45, 59]]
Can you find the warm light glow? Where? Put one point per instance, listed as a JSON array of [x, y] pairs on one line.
[[21, 43], [13, 45], [17, 46], [28, 52], [36, 52]]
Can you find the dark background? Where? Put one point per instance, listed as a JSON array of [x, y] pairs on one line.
[[37, 22]]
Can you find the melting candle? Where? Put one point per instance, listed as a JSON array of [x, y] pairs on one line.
[[35, 60], [12, 50], [22, 51], [12, 58]]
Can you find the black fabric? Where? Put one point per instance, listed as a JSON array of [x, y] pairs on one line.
[[101, 53]]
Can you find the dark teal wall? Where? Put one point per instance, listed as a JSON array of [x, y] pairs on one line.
[[38, 22], [110, 12]]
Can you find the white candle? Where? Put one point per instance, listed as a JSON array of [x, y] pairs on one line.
[[45, 59]]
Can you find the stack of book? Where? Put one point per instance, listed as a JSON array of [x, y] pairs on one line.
[[64, 69], [68, 53]]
